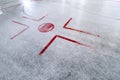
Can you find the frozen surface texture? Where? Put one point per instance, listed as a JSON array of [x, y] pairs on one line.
[[60, 40]]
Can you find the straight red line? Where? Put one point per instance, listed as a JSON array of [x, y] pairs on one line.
[[20, 31], [45, 48], [34, 19], [67, 23], [20, 23], [81, 31], [74, 41], [58, 36]]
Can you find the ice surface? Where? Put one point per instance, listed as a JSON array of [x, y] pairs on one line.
[[64, 58]]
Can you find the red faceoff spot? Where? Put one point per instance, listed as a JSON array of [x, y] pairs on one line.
[[46, 27]]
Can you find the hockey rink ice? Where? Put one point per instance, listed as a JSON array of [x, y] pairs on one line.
[[59, 39]]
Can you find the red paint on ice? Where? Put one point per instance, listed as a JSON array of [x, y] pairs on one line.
[[20, 31], [34, 19], [46, 27], [66, 27], [58, 36]]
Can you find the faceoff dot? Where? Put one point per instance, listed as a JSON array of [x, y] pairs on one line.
[[46, 27]]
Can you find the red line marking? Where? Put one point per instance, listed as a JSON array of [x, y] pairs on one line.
[[58, 36], [67, 23], [65, 26], [20, 31], [20, 23], [34, 19]]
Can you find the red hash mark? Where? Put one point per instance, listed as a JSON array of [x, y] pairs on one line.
[[58, 36], [65, 26], [20, 31], [34, 19], [25, 26]]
